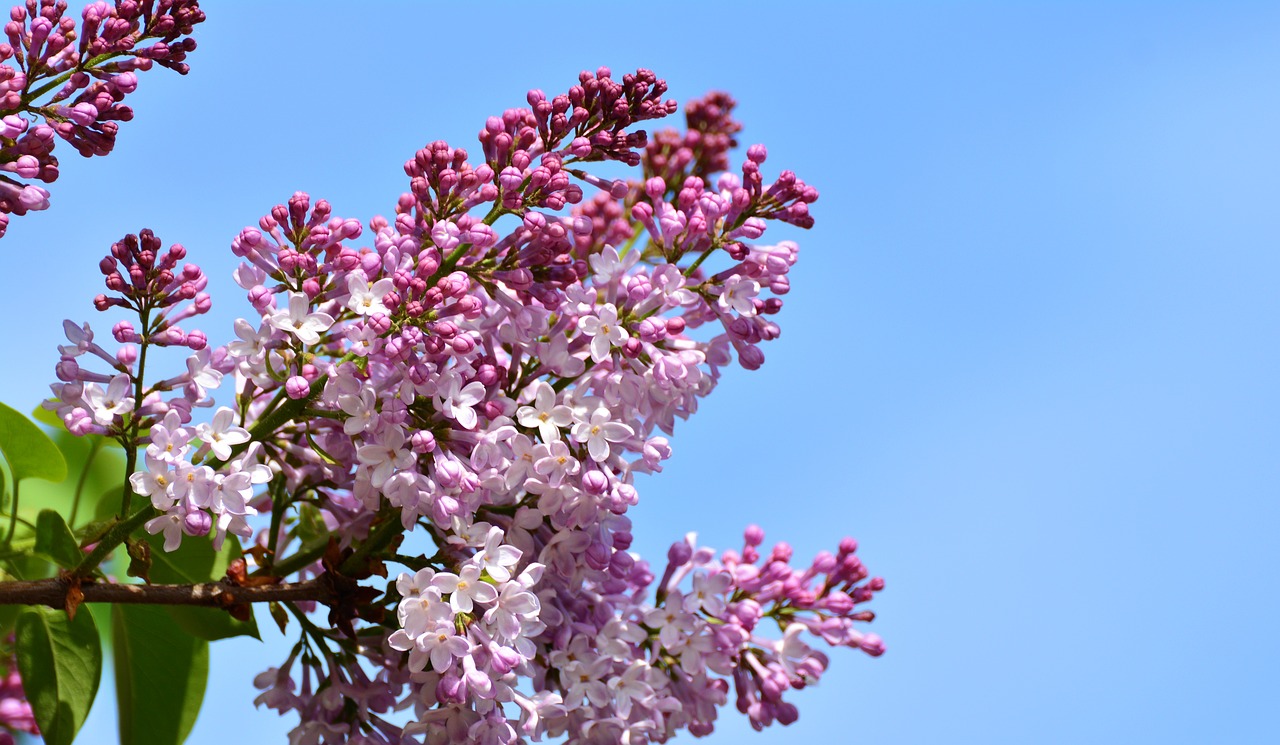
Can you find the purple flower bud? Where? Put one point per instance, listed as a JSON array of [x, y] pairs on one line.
[[423, 441], [680, 553], [595, 482], [379, 323], [297, 387], [196, 523]]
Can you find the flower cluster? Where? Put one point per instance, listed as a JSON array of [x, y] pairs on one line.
[[494, 392], [68, 80], [15, 710], [148, 282]]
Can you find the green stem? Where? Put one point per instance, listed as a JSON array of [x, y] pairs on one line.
[[278, 506], [130, 463], [94, 447], [698, 262], [64, 77], [135, 425], [283, 413], [306, 555], [13, 513], [114, 537], [377, 540]]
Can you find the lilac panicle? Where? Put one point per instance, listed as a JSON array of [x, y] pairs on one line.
[[68, 80], [495, 390]]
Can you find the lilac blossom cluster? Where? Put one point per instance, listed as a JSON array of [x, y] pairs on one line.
[[489, 371], [60, 78]]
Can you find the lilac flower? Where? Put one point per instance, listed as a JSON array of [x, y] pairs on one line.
[[113, 402], [497, 559], [544, 414], [299, 322], [457, 401], [222, 434], [604, 330], [598, 431], [367, 297], [465, 588]]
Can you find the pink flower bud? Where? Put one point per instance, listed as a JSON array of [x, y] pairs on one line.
[[297, 387]]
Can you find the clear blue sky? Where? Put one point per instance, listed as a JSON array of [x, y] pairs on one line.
[[1030, 361]]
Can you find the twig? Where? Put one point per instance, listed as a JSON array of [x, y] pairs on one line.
[[53, 593]]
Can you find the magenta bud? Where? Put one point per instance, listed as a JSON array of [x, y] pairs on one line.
[[423, 441], [196, 523], [504, 659], [260, 297], [872, 644], [753, 535], [786, 713], [597, 556], [838, 602], [27, 166], [680, 552], [463, 344], [297, 387], [127, 354], [451, 689], [595, 483], [488, 375], [67, 369]]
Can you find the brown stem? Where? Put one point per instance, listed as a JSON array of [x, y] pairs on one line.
[[53, 593]]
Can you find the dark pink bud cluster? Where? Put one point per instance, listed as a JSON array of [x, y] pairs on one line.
[[60, 78], [703, 149], [298, 244], [594, 113], [148, 280], [442, 183], [787, 199]]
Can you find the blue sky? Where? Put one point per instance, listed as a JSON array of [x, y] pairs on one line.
[[1030, 359]]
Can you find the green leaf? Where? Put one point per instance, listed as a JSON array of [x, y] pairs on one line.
[[195, 561], [54, 539], [60, 662], [8, 617], [28, 450], [45, 416], [161, 673], [311, 525]]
